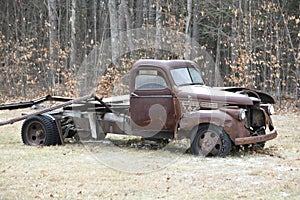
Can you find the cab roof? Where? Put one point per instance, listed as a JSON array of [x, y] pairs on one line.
[[162, 63]]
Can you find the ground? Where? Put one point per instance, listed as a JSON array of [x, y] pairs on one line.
[[104, 171]]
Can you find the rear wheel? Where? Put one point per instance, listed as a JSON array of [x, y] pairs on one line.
[[40, 130], [210, 140]]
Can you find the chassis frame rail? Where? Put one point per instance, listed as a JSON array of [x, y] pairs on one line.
[[67, 102]]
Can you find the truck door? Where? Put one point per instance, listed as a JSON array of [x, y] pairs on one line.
[[151, 104]]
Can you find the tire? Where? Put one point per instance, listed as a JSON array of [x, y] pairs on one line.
[[40, 130], [210, 140]]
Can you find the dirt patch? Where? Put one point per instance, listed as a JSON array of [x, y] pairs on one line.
[[74, 171]]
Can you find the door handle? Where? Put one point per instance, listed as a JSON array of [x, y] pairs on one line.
[[134, 94]]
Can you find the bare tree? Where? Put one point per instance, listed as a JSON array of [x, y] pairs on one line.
[[73, 34], [158, 24], [139, 14], [53, 40], [114, 33], [196, 28], [187, 30]]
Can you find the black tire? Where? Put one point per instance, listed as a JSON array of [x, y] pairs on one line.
[[40, 130], [210, 140]]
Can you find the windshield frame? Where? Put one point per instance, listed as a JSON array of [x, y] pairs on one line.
[[191, 74]]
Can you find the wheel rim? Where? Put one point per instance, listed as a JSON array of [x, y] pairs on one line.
[[210, 143], [36, 133]]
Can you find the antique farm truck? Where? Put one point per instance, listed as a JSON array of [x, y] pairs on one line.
[[167, 100]]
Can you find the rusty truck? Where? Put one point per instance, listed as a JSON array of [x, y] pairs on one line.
[[167, 100]]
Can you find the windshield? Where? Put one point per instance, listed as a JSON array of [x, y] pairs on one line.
[[187, 76]]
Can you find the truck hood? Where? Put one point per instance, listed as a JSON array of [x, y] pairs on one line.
[[264, 97], [208, 94]]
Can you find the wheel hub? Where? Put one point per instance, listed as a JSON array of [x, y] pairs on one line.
[[36, 134], [210, 143]]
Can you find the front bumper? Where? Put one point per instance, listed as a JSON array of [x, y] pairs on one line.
[[255, 139]]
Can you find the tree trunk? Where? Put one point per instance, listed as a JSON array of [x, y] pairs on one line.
[[128, 26], [196, 28], [85, 31], [277, 67], [151, 13], [73, 35], [94, 21], [217, 79], [139, 14], [187, 52], [234, 42], [114, 34], [67, 34], [52, 7], [158, 29], [250, 46], [217, 61], [122, 27]]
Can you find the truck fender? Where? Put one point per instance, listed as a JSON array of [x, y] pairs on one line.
[[232, 126]]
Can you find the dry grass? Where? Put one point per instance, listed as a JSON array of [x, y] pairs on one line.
[[77, 171]]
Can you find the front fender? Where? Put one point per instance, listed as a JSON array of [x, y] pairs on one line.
[[233, 127]]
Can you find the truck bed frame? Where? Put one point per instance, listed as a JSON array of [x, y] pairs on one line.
[[70, 107]]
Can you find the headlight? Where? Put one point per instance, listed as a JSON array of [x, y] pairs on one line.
[[271, 110], [242, 114]]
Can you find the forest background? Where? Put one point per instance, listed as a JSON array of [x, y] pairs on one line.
[[44, 43]]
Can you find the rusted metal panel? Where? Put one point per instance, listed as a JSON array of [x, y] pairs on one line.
[[58, 125], [255, 139], [157, 113], [233, 127], [265, 98]]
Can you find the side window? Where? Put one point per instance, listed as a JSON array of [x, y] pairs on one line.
[[149, 80]]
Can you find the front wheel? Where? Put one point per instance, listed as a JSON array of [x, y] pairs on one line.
[[210, 140]]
